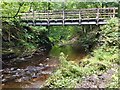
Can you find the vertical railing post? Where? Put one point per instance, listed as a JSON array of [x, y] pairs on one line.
[[33, 18], [97, 17], [63, 17], [39, 15], [48, 18], [79, 18], [113, 12]]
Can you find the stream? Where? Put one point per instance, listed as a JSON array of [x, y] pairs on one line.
[[33, 72]]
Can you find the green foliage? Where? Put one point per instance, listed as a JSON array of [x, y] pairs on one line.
[[22, 36], [62, 33], [66, 76], [107, 54], [102, 59], [70, 73], [109, 49], [88, 38], [110, 33], [9, 9]]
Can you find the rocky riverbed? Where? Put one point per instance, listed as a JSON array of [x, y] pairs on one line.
[[25, 72]]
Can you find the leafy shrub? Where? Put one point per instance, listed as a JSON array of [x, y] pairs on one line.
[[110, 33], [109, 37], [66, 76], [17, 36], [69, 73]]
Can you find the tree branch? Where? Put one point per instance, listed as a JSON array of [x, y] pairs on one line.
[[20, 5]]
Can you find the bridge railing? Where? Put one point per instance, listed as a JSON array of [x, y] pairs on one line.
[[84, 14]]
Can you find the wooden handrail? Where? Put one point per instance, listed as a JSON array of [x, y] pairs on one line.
[[95, 13]]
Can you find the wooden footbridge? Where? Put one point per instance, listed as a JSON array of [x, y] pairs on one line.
[[90, 16]]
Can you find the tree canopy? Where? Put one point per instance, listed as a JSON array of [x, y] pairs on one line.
[[12, 9]]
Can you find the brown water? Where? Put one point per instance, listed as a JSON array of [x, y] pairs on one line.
[[44, 66], [72, 53]]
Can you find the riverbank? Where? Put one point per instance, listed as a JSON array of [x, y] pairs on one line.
[[25, 55], [34, 71], [29, 74], [21, 41], [98, 70]]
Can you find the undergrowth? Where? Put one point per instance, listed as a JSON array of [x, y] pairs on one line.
[[103, 58], [66, 76], [16, 35]]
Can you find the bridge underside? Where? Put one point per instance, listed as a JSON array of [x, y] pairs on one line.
[[64, 22]]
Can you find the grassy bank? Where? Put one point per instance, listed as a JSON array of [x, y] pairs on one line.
[[103, 58]]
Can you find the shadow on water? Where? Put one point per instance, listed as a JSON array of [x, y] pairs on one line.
[[34, 71]]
